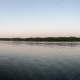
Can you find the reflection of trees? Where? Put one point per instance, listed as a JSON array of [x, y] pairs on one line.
[[52, 44]]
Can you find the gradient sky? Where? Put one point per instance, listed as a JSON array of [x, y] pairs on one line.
[[39, 18]]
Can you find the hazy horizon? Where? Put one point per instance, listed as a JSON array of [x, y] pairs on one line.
[[39, 18]]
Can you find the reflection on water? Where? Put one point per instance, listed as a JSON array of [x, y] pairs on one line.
[[39, 60], [71, 44]]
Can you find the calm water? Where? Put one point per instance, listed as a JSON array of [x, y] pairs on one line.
[[39, 60]]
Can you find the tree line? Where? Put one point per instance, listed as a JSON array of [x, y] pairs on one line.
[[42, 39]]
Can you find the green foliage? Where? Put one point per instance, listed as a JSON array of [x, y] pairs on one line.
[[42, 39]]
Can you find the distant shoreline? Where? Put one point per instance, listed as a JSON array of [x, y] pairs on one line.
[[51, 39]]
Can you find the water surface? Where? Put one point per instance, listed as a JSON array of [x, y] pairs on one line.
[[39, 60]]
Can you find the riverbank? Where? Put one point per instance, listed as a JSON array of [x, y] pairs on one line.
[[51, 39]]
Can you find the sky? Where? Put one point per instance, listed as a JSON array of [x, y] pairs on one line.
[[39, 18]]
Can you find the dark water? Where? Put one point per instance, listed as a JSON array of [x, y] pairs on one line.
[[39, 61]]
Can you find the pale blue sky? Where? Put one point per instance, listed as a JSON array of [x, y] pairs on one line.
[[39, 18]]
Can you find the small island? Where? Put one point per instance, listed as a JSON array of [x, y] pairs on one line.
[[52, 39]]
